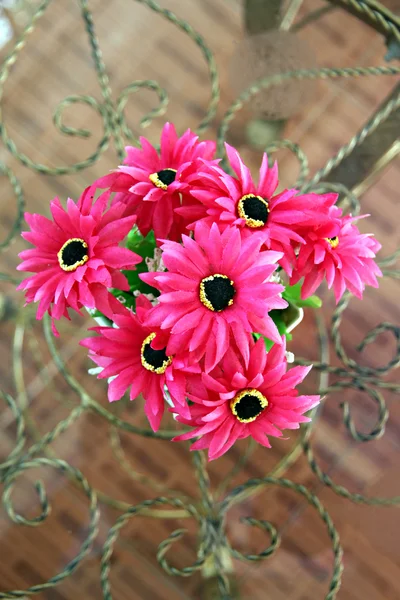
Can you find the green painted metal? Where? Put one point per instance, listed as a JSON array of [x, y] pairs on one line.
[[214, 553]]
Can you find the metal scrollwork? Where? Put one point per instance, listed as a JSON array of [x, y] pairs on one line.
[[214, 551]]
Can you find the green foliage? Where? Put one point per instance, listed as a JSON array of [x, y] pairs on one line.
[[279, 319], [144, 246], [126, 298], [105, 322], [283, 319], [292, 294], [135, 240]]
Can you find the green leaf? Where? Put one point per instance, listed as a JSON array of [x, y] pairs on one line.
[[313, 301], [144, 246], [105, 322], [126, 298], [292, 294], [278, 316], [136, 241], [268, 343]]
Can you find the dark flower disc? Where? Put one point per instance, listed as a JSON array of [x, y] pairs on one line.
[[217, 292], [254, 210], [154, 360], [247, 405], [163, 178], [333, 241], [73, 254]]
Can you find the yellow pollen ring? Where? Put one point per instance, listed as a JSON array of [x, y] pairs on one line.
[[147, 365], [78, 263], [253, 223], [248, 392], [157, 181], [203, 295], [333, 242]]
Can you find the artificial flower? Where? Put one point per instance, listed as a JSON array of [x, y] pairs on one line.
[[152, 185], [256, 208], [76, 256], [215, 292], [135, 356], [341, 254], [236, 401]]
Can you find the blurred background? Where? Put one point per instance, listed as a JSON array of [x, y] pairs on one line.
[[320, 117]]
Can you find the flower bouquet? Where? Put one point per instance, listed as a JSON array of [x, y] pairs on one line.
[[196, 275]]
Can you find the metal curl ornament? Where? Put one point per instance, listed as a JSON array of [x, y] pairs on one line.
[[274, 545], [350, 363], [312, 499], [210, 510], [20, 434], [113, 534], [8, 481]]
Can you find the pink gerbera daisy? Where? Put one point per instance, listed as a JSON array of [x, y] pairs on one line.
[[152, 184], [76, 256], [341, 254], [216, 292], [236, 401], [255, 209], [135, 356]]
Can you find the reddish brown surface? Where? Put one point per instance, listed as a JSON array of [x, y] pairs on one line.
[[139, 45]]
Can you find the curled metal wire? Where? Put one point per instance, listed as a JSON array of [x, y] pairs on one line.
[[210, 510], [147, 119], [163, 547], [313, 500], [8, 480], [274, 537], [298, 153], [20, 434]]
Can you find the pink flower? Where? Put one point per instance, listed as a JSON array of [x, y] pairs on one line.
[[216, 292], [255, 208], [76, 256], [341, 254], [135, 356], [152, 185], [235, 401]]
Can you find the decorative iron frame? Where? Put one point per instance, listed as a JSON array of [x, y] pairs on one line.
[[214, 551]]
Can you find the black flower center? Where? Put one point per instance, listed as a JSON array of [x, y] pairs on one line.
[[156, 361], [163, 178], [254, 210], [333, 241], [248, 404], [216, 292], [73, 254]]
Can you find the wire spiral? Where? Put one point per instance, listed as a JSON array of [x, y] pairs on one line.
[[210, 511]]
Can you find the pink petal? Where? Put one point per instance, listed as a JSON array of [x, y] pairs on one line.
[[189, 321], [119, 385], [268, 180], [242, 172]]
